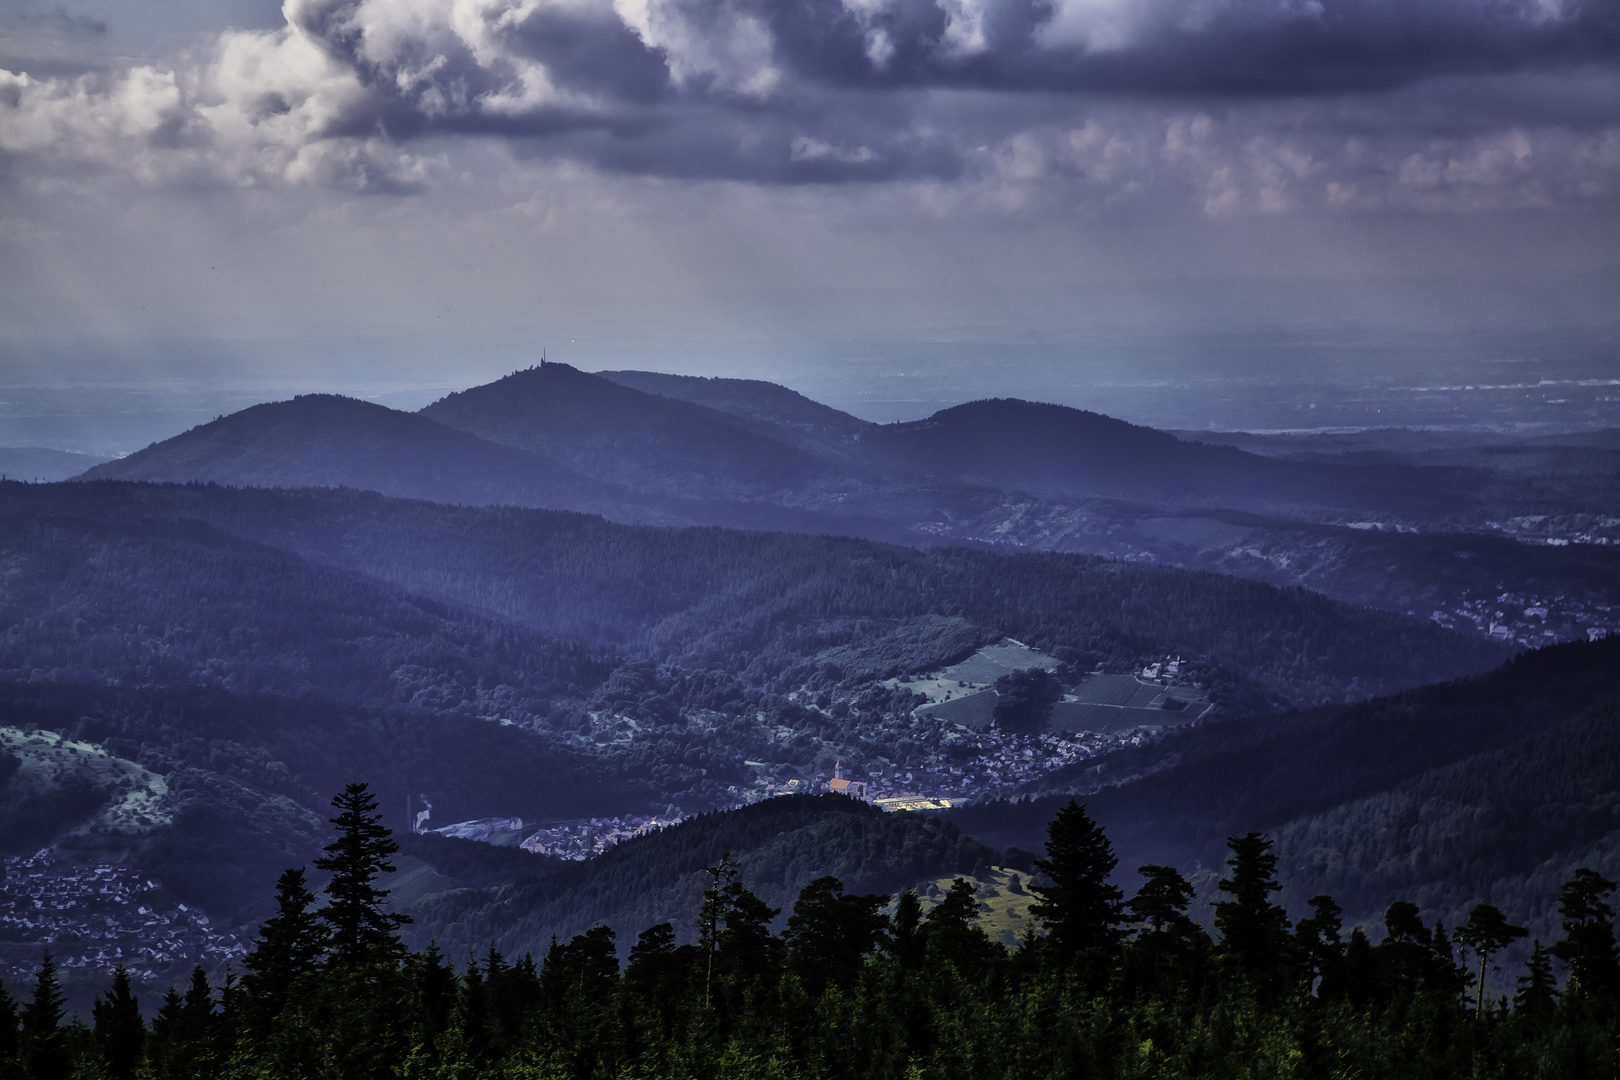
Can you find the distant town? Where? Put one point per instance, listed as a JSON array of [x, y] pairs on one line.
[[99, 916], [1529, 619]]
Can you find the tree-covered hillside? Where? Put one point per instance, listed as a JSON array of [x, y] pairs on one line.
[[1394, 533], [707, 598], [323, 440], [1486, 788], [778, 846], [646, 442]]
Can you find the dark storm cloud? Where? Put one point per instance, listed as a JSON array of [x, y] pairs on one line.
[[802, 90], [820, 90]]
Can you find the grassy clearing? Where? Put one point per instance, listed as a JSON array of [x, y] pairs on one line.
[[1004, 900], [111, 796], [961, 693]]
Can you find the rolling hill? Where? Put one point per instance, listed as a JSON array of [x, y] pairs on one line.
[[323, 440], [780, 846], [1060, 451], [783, 413], [259, 648], [649, 443], [643, 447]]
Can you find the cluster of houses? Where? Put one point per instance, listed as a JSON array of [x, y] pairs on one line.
[[1530, 620], [1000, 763], [99, 916], [1168, 668], [578, 840]]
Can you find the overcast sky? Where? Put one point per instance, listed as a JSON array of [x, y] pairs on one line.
[[398, 195]]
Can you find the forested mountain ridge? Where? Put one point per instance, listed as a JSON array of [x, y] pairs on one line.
[[256, 647], [323, 440], [1060, 451], [702, 597], [1382, 530], [785, 412], [652, 444]]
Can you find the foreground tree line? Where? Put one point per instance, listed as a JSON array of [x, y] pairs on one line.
[[858, 987]]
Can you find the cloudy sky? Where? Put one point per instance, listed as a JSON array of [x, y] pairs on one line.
[[397, 195]]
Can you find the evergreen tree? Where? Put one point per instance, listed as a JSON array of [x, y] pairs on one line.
[[1487, 933], [9, 1037], [583, 971], [1361, 985], [906, 941], [953, 935], [734, 930], [1168, 943], [1320, 946], [1588, 946], [712, 916], [359, 928], [44, 1042], [1079, 907], [1414, 958], [119, 1029], [1254, 931], [747, 948], [1162, 899], [290, 943], [432, 992], [830, 933], [185, 1040], [1538, 989]]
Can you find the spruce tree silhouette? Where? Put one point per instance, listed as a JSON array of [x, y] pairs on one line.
[[1588, 946], [119, 1029], [1254, 931], [44, 1043], [1081, 910], [360, 929], [290, 943]]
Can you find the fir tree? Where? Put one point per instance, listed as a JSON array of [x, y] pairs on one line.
[[1588, 946], [1254, 931], [1320, 946], [712, 915], [44, 1043], [905, 936], [359, 928], [1079, 907], [953, 935], [1167, 941], [830, 933], [290, 943], [9, 1039], [1538, 989], [119, 1029]]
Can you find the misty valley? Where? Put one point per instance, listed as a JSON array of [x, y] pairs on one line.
[[340, 740]]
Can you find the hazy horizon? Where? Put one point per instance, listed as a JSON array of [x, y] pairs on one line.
[[1185, 215]]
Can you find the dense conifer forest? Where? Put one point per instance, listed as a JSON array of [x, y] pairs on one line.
[[866, 985]]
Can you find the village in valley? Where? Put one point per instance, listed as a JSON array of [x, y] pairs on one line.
[[97, 917], [1530, 620], [976, 759]]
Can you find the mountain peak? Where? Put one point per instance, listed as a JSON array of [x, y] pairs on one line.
[[645, 441]]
